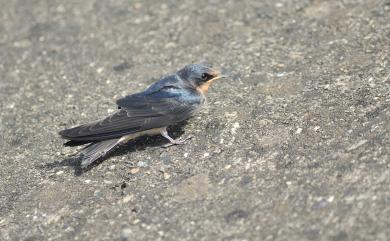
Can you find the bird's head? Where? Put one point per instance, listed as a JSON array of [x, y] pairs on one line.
[[199, 76]]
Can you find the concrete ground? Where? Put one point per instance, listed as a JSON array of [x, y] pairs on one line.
[[295, 145]]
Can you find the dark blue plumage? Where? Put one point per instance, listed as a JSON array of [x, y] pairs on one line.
[[170, 100]]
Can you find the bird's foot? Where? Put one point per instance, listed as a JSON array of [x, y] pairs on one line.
[[178, 141]]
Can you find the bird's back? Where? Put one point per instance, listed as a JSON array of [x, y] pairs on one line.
[[159, 106]]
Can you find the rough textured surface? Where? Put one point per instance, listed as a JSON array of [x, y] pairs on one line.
[[294, 146]]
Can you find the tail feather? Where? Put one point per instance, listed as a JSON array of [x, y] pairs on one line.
[[97, 150]]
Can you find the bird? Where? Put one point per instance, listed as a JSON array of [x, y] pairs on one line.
[[169, 101]]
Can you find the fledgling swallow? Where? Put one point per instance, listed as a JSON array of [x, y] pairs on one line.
[[170, 100]]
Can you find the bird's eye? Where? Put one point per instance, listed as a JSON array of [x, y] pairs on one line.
[[205, 76]]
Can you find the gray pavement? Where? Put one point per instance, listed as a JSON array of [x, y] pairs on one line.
[[294, 146]]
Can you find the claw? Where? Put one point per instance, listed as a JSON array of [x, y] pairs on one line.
[[179, 141]]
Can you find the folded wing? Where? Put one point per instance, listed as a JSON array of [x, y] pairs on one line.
[[138, 113]]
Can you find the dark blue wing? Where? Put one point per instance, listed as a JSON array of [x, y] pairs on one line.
[[140, 112]]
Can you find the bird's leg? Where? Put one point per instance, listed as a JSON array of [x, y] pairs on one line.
[[179, 141]]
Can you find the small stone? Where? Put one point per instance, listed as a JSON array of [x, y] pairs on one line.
[[59, 173], [236, 125], [107, 182], [127, 198], [299, 131], [97, 193], [141, 164], [134, 170], [167, 176], [11, 106], [22, 44], [87, 181], [227, 167], [206, 154], [112, 167], [279, 5], [99, 70], [186, 154], [170, 45], [136, 221]]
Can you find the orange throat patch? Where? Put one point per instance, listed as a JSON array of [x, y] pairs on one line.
[[204, 87]]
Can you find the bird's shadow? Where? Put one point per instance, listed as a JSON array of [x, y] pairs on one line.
[[138, 144]]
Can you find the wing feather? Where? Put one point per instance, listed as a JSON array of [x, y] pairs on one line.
[[138, 113]]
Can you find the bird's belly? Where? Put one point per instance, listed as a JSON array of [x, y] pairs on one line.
[[150, 132]]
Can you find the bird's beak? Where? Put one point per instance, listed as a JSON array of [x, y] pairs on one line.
[[217, 75]]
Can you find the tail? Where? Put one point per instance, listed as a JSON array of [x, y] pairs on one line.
[[97, 150]]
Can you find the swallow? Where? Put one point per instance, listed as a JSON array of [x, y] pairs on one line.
[[172, 99]]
